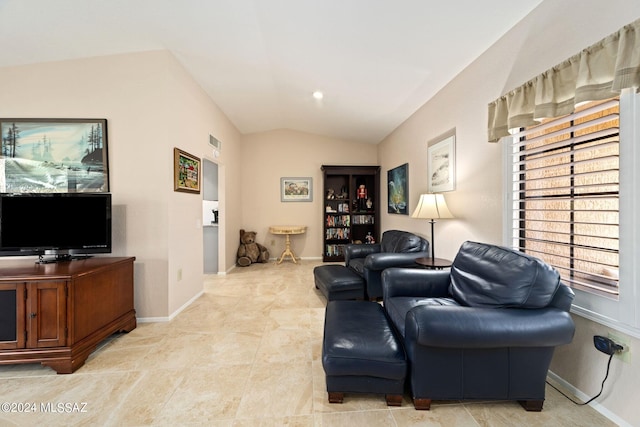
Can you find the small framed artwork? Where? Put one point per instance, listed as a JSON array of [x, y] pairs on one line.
[[441, 163], [186, 172], [54, 156], [296, 189], [398, 189]]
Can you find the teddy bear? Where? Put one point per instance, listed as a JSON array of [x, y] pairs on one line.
[[250, 251]]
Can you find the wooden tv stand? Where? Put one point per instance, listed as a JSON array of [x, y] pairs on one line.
[[57, 314]]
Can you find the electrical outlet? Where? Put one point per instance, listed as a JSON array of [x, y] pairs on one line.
[[273, 242], [605, 345], [179, 274], [625, 353]]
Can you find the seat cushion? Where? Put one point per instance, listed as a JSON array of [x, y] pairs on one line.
[[485, 275], [398, 307], [357, 265]]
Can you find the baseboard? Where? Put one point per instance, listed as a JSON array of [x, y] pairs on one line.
[[188, 303], [152, 319], [582, 396], [172, 315], [275, 259]]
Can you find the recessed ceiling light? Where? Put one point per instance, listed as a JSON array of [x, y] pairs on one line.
[[318, 95]]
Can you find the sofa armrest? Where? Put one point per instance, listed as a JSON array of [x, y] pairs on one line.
[[353, 251], [383, 260], [414, 282], [472, 327]]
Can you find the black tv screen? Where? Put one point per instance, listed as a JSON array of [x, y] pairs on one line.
[[55, 224]]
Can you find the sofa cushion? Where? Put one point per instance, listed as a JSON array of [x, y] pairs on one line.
[[357, 265], [398, 307], [484, 275], [398, 241]]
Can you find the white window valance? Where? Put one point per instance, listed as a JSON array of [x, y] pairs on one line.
[[599, 72]]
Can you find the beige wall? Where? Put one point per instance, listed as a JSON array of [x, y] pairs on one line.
[[550, 34], [268, 156], [192, 117], [582, 366], [151, 105]]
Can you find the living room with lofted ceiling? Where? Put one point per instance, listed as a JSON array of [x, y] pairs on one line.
[[154, 94]]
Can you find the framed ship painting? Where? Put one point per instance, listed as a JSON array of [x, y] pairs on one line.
[[54, 156]]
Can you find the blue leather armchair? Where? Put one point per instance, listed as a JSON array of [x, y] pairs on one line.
[[396, 249], [487, 329]]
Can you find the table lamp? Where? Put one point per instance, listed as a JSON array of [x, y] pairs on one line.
[[432, 207]]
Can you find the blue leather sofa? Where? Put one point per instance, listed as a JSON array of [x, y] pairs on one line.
[[486, 329], [396, 249]]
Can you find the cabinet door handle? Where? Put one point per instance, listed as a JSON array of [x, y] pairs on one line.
[[32, 315]]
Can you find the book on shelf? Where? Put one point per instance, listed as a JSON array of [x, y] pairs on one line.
[[338, 233], [343, 207], [363, 219], [334, 250], [338, 221]]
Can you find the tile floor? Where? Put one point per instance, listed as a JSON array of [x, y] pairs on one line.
[[246, 353]]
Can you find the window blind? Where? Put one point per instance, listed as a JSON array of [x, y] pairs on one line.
[[566, 194]]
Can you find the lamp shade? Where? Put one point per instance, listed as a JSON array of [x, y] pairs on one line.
[[432, 206]]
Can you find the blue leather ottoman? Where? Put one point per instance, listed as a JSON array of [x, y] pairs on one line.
[[361, 352], [338, 282]]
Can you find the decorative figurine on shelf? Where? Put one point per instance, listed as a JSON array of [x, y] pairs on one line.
[[369, 204], [362, 197], [331, 194], [369, 239], [343, 193]]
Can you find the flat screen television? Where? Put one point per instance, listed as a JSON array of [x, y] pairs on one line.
[[61, 225]]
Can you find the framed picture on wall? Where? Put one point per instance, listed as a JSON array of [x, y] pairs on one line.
[[398, 190], [54, 156], [186, 172], [296, 189], [441, 163]]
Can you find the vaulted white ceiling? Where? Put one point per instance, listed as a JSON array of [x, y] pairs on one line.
[[377, 61]]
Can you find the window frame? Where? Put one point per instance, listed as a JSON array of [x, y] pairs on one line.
[[621, 313]]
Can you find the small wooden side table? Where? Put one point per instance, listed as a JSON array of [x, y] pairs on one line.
[[287, 230], [434, 263]]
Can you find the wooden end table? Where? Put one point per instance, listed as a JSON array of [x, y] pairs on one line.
[[287, 230]]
